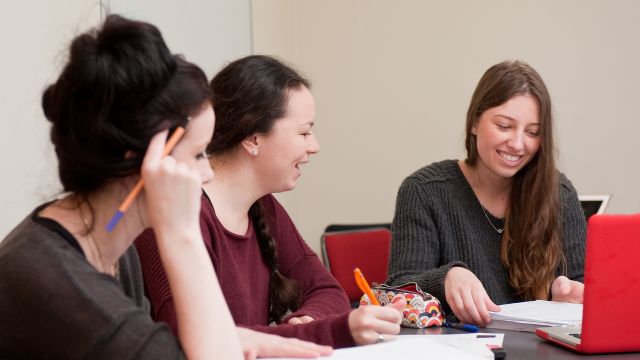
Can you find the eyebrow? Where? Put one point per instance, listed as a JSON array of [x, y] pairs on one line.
[[512, 119]]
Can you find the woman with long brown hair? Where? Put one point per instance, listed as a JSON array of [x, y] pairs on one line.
[[502, 226]]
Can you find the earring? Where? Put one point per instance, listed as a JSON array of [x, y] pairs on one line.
[[254, 151]]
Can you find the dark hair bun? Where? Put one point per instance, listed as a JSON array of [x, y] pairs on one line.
[[120, 86]]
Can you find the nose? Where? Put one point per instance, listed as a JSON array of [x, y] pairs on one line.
[[516, 141], [206, 174], [313, 147]]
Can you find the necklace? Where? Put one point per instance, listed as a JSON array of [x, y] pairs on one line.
[[489, 221], [111, 270]]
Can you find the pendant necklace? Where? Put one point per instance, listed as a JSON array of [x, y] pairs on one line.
[[489, 221]]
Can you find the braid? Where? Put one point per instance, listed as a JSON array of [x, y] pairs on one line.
[[284, 293]]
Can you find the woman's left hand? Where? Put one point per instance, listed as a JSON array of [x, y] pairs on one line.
[[565, 290], [300, 319], [256, 344]]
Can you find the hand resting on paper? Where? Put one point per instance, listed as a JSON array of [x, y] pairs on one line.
[[256, 344], [467, 298], [565, 290]]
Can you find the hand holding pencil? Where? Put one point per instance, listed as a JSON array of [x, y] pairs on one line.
[[371, 324], [172, 190], [166, 149]]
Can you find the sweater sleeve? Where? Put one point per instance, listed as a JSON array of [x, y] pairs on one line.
[[415, 247], [574, 234], [156, 282], [332, 330], [321, 293]]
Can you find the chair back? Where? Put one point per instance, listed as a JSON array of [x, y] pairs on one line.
[[367, 249]]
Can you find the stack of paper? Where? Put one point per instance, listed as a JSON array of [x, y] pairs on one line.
[[529, 315], [418, 347]]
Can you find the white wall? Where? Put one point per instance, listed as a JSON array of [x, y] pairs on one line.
[[392, 81], [209, 33], [35, 36]]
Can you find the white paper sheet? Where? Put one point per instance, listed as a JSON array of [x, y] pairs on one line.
[[528, 315], [407, 347]]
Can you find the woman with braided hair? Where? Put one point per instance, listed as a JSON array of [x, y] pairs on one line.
[[265, 114]]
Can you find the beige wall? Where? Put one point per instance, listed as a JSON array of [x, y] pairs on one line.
[[392, 81]]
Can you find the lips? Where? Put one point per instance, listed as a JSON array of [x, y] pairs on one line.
[[510, 158]]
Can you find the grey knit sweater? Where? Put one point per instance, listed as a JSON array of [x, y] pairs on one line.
[[439, 224]]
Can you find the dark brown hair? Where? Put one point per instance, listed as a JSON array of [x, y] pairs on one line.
[[249, 96], [531, 248], [119, 87]]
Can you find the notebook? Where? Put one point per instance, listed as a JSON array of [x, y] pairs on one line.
[[611, 313], [530, 315]]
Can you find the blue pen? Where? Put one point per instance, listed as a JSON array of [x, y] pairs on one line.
[[461, 326]]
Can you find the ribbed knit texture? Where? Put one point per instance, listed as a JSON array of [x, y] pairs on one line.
[[244, 278], [439, 224]]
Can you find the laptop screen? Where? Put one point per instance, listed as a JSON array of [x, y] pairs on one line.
[[593, 204]]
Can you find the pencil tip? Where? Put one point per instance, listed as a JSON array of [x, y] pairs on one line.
[[114, 220]]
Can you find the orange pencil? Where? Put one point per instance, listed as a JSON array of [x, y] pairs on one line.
[[364, 286], [124, 206]]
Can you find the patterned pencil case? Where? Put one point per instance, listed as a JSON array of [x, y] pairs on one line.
[[422, 309]]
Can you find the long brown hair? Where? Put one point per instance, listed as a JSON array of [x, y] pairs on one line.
[[249, 96], [531, 248]]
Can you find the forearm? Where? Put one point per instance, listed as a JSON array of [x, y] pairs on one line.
[[321, 294], [332, 330], [204, 322]]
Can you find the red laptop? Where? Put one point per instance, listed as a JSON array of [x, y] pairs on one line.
[[611, 310]]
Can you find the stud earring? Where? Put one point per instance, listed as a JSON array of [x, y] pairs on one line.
[[254, 151]]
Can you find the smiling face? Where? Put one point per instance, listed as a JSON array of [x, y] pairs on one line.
[[190, 150], [508, 135], [288, 145]]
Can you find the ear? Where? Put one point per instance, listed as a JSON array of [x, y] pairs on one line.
[[474, 130], [129, 154], [250, 144]]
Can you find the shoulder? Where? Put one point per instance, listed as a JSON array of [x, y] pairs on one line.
[[273, 210], [566, 186], [29, 242], [436, 172], [282, 228], [436, 178]]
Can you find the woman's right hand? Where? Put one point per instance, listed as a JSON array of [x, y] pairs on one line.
[[467, 298], [367, 323], [171, 188]]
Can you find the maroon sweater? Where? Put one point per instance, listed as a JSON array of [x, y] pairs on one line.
[[244, 278]]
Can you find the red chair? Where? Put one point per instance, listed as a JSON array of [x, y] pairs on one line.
[[368, 249]]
